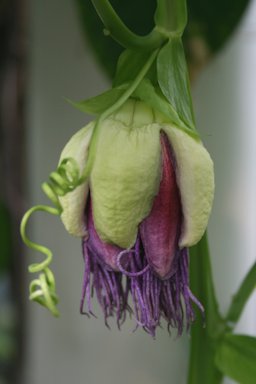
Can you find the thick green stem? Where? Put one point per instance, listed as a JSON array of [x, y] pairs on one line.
[[171, 16], [203, 338], [123, 35]]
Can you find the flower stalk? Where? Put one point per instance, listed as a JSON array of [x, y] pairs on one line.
[[121, 33], [171, 17], [204, 338]]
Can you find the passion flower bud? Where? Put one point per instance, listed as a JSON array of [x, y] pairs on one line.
[[151, 191]]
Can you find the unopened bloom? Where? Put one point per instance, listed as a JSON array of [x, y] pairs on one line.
[[147, 199]]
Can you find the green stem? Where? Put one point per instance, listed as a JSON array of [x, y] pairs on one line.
[[240, 298], [121, 33], [203, 339], [171, 16]]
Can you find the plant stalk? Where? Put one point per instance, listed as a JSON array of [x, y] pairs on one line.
[[121, 33], [171, 16], [202, 367]]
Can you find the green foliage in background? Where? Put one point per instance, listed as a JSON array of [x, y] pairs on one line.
[[5, 238], [215, 20]]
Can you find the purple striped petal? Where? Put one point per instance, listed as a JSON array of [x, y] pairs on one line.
[[160, 231]]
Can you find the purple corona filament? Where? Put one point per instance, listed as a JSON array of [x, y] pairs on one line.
[[150, 280], [151, 297]]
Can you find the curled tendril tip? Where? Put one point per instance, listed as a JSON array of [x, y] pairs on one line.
[[65, 179]]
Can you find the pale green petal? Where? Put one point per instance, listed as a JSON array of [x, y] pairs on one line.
[[195, 177], [73, 203], [125, 178]]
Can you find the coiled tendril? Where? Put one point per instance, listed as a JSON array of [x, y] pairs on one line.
[[65, 179]]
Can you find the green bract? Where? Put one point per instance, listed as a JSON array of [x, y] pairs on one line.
[[195, 178], [73, 203], [126, 173]]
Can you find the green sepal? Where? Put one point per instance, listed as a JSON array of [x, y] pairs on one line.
[[236, 356], [129, 65], [195, 179], [98, 104], [73, 203], [240, 298], [126, 173], [173, 80], [155, 99]]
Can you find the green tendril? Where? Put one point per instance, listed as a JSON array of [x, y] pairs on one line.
[[41, 290], [62, 181], [65, 179]]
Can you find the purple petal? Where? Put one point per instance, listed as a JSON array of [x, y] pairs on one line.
[[106, 253], [161, 229]]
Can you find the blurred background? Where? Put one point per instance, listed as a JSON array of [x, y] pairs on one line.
[[54, 49]]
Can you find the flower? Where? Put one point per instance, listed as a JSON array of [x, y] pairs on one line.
[[147, 199]]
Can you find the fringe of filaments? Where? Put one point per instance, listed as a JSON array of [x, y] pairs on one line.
[[151, 299]]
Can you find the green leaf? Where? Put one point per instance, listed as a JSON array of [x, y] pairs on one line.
[[236, 358], [129, 64], [100, 103], [171, 15], [149, 94], [5, 238], [242, 295], [173, 80]]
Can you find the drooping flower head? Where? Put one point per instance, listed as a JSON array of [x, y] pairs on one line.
[[147, 199]]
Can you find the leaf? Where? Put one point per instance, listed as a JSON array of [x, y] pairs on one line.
[[100, 103], [128, 66], [242, 295], [173, 79], [148, 93], [236, 358]]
